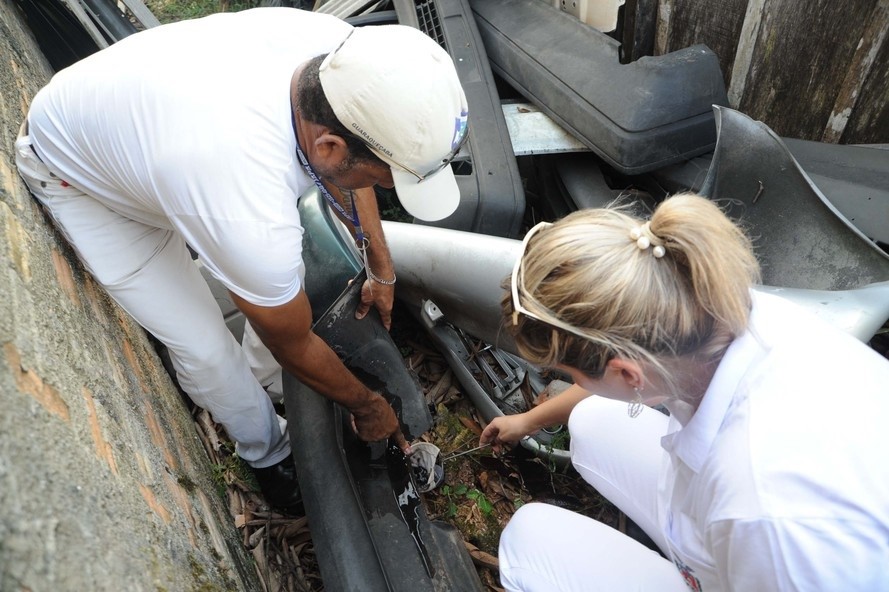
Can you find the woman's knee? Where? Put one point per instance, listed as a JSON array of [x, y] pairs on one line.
[[589, 426], [525, 524], [524, 545]]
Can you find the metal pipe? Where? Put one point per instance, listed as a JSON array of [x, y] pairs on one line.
[[110, 19]]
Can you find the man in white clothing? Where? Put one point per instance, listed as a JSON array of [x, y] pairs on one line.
[[205, 133]]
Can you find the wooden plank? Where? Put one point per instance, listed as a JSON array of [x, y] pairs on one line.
[[869, 122], [715, 23], [872, 42], [801, 57], [662, 28], [638, 35], [801, 67], [744, 52], [141, 12]]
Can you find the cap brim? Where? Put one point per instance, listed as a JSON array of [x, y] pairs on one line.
[[432, 199]]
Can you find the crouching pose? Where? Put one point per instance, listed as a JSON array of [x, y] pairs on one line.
[[768, 473], [203, 134]]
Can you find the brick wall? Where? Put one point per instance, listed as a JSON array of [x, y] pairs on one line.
[[104, 483]]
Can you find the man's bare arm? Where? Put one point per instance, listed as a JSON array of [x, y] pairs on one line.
[[379, 260], [287, 331]]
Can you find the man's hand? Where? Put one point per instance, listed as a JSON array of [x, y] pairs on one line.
[[382, 296], [377, 257], [376, 420], [287, 331]]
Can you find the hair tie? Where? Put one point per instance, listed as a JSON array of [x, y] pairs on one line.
[[639, 236]]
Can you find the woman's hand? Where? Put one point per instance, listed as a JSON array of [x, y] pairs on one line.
[[507, 429], [554, 410]]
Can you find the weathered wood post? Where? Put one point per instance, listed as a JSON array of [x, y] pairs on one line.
[[816, 70]]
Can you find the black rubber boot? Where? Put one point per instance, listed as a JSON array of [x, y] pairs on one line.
[[280, 486]]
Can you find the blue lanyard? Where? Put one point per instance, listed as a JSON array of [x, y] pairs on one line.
[[360, 239]]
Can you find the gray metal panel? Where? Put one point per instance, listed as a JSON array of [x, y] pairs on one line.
[[802, 240], [637, 117], [854, 178], [145, 17], [492, 198], [345, 8], [76, 8], [532, 131]]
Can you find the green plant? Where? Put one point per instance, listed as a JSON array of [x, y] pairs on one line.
[[560, 440], [230, 468], [168, 11], [484, 505]]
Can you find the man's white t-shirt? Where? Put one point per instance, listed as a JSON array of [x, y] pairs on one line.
[[187, 127], [780, 480]]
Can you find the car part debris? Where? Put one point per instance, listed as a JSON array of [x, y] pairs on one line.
[[637, 117]]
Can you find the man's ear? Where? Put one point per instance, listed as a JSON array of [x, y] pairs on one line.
[[629, 370], [331, 148]]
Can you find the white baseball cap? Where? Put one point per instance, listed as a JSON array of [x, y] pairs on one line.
[[397, 90]]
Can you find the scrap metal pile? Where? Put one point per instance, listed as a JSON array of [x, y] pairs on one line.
[[561, 119]]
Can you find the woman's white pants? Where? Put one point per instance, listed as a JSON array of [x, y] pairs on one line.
[[550, 549]]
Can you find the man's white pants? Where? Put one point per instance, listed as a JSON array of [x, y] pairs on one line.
[[149, 272], [548, 549]]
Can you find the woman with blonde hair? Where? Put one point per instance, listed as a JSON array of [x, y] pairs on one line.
[[768, 473]]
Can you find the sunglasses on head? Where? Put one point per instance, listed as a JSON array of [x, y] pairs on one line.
[[517, 280], [420, 177]]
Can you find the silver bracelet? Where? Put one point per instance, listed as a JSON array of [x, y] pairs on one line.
[[379, 280]]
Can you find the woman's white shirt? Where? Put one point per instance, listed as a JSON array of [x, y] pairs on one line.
[[780, 480]]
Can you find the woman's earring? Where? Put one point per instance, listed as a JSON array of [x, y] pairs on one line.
[[635, 406]]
